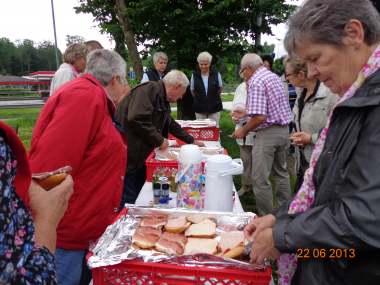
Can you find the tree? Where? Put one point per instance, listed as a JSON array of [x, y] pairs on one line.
[[74, 39], [7, 56], [24, 57], [105, 16], [183, 28]]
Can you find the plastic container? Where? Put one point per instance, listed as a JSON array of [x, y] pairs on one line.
[[202, 134], [151, 164], [144, 273], [219, 183]]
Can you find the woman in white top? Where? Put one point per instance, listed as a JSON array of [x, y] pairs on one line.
[[206, 86], [74, 63]]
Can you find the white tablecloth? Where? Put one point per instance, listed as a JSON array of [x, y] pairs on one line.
[[145, 198]]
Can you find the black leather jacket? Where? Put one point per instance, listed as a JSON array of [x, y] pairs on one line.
[[346, 210]]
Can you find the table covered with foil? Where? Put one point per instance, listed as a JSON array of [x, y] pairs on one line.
[[115, 245]]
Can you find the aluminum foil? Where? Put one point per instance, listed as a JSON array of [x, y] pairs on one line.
[[172, 153], [115, 245]]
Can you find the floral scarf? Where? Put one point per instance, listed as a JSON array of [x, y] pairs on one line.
[[287, 263]]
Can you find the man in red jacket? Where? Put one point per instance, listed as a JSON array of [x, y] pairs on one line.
[[76, 128]]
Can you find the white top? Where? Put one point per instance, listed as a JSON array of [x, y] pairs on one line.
[[145, 198], [65, 73], [205, 82], [145, 78], [239, 102]]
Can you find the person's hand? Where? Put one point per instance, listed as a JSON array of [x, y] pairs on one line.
[[199, 143], [239, 134], [239, 113], [164, 145], [301, 138], [234, 119], [257, 225], [48, 207], [263, 247]]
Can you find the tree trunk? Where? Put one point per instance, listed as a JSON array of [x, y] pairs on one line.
[[129, 38]]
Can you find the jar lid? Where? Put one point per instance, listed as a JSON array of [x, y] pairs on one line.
[[218, 162]]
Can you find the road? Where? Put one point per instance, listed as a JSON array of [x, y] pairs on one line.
[[39, 103], [21, 103]]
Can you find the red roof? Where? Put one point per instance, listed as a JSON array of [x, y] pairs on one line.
[[42, 73]]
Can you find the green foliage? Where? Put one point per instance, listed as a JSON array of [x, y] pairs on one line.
[[278, 66], [24, 57], [184, 28], [105, 16], [74, 39]]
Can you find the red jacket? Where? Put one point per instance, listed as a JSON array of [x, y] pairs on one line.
[[75, 128]]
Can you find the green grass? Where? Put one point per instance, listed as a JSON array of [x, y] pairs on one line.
[[227, 97], [22, 119]]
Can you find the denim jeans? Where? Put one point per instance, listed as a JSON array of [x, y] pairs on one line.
[[69, 266], [134, 180]]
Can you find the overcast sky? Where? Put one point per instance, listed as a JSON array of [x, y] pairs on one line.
[[32, 19]]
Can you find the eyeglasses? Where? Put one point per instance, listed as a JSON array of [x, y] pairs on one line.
[[289, 74], [242, 71]]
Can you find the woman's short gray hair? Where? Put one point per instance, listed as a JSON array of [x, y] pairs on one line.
[[176, 77], [158, 55], [250, 60], [104, 64], [204, 55], [324, 21], [75, 52]]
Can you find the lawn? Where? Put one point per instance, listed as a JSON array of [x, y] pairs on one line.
[[24, 119]]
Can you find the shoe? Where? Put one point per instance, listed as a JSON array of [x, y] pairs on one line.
[[242, 191]]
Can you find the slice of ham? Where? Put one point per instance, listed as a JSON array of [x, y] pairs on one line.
[[146, 237], [171, 243], [154, 221], [177, 225], [179, 238], [169, 247]]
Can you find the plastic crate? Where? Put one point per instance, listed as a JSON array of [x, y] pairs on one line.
[[202, 134], [151, 164], [149, 273]]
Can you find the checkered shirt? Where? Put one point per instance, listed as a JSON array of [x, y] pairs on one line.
[[266, 96]]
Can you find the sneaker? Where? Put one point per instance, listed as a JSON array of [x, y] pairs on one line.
[[242, 191]]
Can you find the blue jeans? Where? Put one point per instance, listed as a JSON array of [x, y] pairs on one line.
[[69, 266], [133, 183]]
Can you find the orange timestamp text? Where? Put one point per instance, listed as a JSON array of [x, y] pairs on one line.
[[326, 253]]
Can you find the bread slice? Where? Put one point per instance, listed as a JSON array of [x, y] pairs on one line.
[[231, 244], [198, 218], [200, 245], [204, 229], [177, 225]]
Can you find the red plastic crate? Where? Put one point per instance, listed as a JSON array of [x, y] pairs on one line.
[[202, 134], [135, 272], [151, 164]]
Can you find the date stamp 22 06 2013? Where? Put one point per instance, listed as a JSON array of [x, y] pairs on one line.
[[326, 253]]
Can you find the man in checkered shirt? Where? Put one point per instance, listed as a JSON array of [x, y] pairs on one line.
[[269, 116]]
